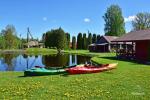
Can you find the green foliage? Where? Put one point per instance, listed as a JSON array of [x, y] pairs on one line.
[[60, 38], [94, 38], [98, 37], [56, 38], [89, 40], [9, 39], [46, 40], [68, 41], [73, 42], [2, 42], [17, 43], [43, 37], [141, 21], [84, 42], [114, 21], [79, 41]]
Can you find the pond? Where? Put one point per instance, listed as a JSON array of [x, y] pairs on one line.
[[21, 62]]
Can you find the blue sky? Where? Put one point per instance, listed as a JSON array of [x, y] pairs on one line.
[[73, 16]]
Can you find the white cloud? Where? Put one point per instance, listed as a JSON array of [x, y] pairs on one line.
[[129, 19], [87, 20], [44, 18]]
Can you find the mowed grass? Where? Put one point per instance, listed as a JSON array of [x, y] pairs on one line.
[[43, 51], [129, 81]]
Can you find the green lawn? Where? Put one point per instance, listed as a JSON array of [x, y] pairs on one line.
[[129, 81], [43, 51]]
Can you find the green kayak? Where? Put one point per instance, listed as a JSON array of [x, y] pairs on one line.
[[42, 72]]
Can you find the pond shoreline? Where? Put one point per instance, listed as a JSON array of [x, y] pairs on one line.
[[22, 62], [13, 51]]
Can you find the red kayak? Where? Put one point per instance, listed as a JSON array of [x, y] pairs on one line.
[[90, 69]]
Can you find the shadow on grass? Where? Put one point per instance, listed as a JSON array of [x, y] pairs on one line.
[[28, 76], [37, 75], [67, 74], [109, 72], [64, 75], [125, 60], [106, 72]]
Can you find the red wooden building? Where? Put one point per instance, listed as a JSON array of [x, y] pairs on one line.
[[140, 48]]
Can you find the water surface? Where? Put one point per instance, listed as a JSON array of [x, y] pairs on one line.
[[21, 62]]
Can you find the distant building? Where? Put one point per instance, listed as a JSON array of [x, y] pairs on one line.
[[104, 44], [31, 44]]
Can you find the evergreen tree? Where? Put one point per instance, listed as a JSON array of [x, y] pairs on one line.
[[98, 37], [56, 38], [94, 38], [43, 37], [89, 40], [46, 40], [68, 40], [84, 41], [73, 42], [79, 41], [114, 21]]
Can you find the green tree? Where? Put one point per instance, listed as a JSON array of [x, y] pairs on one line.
[[2, 42], [89, 40], [9, 38], [68, 41], [79, 41], [94, 38], [114, 21], [9, 35], [98, 37], [73, 42], [56, 38], [60, 38], [43, 37], [141, 21], [47, 39], [84, 41]]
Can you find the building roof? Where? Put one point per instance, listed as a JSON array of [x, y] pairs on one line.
[[92, 45], [110, 38], [134, 36], [103, 44], [106, 39]]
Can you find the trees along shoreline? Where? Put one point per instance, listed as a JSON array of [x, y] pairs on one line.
[[60, 40], [9, 39], [56, 39]]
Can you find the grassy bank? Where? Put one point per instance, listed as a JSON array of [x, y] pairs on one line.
[[43, 51], [129, 81]]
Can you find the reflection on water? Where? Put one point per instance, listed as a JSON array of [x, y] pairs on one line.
[[18, 62], [55, 60]]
